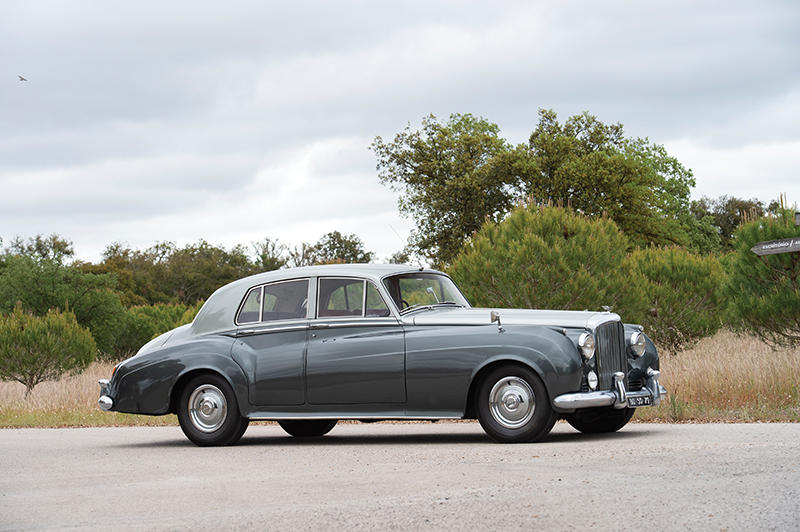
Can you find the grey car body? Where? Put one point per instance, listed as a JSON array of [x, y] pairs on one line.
[[426, 362]]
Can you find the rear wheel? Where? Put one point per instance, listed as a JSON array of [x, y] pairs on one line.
[[513, 406], [599, 420], [209, 413], [308, 428]]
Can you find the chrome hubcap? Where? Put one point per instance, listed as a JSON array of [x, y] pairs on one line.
[[207, 408], [511, 402]]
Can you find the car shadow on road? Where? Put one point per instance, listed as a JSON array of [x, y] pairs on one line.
[[442, 438]]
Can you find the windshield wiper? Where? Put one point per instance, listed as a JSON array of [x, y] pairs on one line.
[[430, 306]]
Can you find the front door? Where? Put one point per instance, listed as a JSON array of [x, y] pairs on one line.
[[356, 349]]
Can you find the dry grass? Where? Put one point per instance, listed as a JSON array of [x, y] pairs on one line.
[[725, 378], [729, 378], [70, 402]]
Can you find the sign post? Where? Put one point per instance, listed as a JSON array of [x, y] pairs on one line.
[[773, 247]]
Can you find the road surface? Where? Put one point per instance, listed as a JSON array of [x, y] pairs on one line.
[[441, 476]]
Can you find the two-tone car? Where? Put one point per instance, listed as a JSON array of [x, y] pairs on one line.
[[309, 346]]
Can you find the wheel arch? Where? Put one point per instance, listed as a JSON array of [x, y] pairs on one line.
[[237, 384], [479, 374]]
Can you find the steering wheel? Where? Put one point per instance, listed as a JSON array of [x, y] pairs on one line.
[[405, 303]]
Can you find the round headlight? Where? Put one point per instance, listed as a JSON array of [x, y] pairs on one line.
[[586, 344], [637, 344], [591, 379]]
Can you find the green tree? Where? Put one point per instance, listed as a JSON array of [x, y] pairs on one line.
[[270, 255], [195, 271], [764, 291], [332, 248], [43, 284], [451, 176], [684, 294], [549, 257], [726, 214], [596, 169], [34, 349]]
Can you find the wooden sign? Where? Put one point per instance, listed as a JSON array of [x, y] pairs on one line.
[[773, 247]]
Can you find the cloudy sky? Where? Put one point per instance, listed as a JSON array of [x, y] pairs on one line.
[[231, 121]]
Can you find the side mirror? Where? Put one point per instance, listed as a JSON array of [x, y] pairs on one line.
[[494, 316]]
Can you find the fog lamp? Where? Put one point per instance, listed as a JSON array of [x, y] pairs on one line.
[[591, 378]]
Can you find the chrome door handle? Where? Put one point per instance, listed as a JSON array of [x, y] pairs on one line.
[[320, 325], [244, 332]]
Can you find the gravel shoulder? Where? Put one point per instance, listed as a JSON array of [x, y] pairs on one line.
[[404, 476]]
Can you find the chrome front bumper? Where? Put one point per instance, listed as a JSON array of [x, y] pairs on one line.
[[619, 397], [105, 402]]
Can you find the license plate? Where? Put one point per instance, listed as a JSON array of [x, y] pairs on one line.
[[633, 402]]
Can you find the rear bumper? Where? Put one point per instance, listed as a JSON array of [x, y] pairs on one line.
[[619, 397]]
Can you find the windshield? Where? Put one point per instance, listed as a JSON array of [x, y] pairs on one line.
[[421, 289]]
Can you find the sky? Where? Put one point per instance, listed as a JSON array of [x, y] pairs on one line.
[[234, 121]]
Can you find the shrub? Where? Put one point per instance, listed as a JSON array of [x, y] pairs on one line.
[[549, 257], [143, 323], [684, 292], [34, 349], [765, 290]]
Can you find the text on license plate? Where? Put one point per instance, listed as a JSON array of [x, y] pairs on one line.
[[639, 401]]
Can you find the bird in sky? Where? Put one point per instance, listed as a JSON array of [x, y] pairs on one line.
[[21, 78]]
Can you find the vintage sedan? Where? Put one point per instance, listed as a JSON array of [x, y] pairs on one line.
[[309, 346]]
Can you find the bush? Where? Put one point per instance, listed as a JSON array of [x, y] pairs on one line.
[[44, 284], [143, 323], [765, 290], [684, 293], [549, 257], [34, 349]]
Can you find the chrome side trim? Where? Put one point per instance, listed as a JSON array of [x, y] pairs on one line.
[[334, 415]]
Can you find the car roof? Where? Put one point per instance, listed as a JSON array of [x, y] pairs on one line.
[[217, 313]]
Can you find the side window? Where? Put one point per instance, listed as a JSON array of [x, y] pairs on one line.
[[249, 312], [376, 306], [340, 297], [285, 300]]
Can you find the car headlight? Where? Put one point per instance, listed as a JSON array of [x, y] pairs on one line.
[[586, 345], [637, 344]]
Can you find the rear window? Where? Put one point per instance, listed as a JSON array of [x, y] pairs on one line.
[[284, 300]]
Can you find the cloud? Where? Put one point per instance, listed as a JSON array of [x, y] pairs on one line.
[[230, 123]]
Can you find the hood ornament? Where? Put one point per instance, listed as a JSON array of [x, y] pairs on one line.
[[607, 308]]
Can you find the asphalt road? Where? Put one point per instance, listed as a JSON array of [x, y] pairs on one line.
[[404, 476]]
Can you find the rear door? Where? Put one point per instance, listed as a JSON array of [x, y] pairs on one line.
[[271, 340]]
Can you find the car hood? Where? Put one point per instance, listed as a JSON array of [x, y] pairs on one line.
[[481, 316]]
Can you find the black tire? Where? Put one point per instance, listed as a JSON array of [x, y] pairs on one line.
[[308, 428], [505, 422], [222, 425], [599, 420]]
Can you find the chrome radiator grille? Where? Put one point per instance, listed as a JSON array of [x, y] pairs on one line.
[[611, 356]]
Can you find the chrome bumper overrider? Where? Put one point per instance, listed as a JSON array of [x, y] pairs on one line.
[[105, 402], [619, 397]]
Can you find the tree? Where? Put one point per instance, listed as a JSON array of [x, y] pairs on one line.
[[34, 349], [42, 284], [726, 214], [451, 176], [195, 271], [549, 257], [455, 176], [53, 248], [270, 255], [684, 295], [332, 248], [764, 291], [596, 169]]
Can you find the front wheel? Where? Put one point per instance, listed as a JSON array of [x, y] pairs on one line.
[[599, 420], [209, 413], [308, 429], [513, 406]]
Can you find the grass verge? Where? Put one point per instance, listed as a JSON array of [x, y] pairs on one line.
[[726, 378]]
